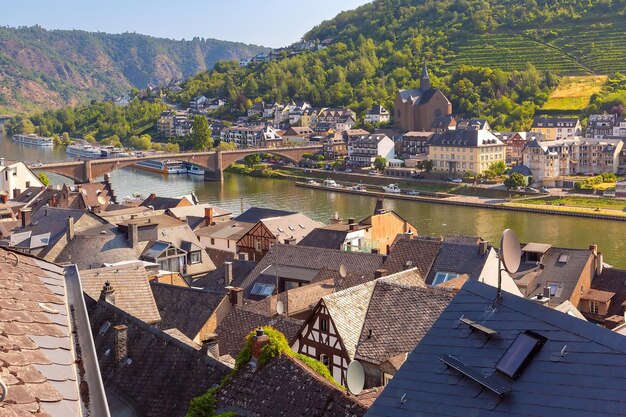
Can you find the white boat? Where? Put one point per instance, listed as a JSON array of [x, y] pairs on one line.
[[330, 183], [194, 169], [392, 188], [162, 167], [312, 182], [358, 187], [112, 152], [83, 151], [33, 140]]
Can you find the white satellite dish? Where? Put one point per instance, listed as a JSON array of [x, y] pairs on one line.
[[280, 307], [355, 379], [343, 271], [102, 200], [510, 251]]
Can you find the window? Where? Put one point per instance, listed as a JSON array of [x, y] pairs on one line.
[[212, 241], [553, 287], [325, 359], [257, 245], [27, 184], [441, 277], [324, 324], [195, 257], [262, 289], [593, 307], [520, 353]]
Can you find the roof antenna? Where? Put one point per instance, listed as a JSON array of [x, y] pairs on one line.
[[510, 257]]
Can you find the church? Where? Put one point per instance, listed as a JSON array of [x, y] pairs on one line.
[[419, 109]]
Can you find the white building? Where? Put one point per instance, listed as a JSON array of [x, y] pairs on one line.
[[363, 150], [16, 177], [377, 114]]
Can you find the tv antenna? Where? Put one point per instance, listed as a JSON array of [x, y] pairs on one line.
[[355, 378]]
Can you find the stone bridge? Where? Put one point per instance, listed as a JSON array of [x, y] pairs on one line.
[[213, 162]]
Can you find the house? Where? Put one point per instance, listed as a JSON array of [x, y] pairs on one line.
[[412, 144], [334, 147], [418, 109], [441, 124], [155, 202], [223, 236], [296, 112], [493, 356], [130, 350], [256, 109], [174, 123], [198, 103], [337, 119], [199, 215], [619, 128], [473, 124], [465, 150], [215, 104], [251, 136], [15, 178], [298, 134], [49, 364], [269, 231], [600, 126], [557, 128], [363, 150], [604, 303], [126, 287], [377, 115], [283, 386], [377, 322], [515, 143]]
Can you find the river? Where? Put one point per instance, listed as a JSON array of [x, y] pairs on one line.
[[430, 219]]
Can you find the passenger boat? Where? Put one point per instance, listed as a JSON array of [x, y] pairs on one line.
[[194, 169], [83, 151], [112, 152], [330, 183], [392, 188], [33, 140], [163, 167]]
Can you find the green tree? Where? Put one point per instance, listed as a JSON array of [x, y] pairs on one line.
[[201, 134], [380, 163], [226, 146], [498, 168], [44, 179], [514, 180], [143, 142], [427, 165], [252, 160]]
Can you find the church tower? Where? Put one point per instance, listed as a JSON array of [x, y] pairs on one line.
[[425, 80]]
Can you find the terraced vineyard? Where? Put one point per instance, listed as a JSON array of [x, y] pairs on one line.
[[578, 49]]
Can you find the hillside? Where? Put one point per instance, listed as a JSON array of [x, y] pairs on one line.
[[44, 69], [493, 58]]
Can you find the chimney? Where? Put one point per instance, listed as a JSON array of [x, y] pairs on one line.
[[16, 192], [133, 235], [273, 301], [228, 273], [70, 228], [4, 198], [208, 216], [483, 246], [290, 241], [594, 248], [26, 216], [120, 337], [259, 340], [152, 196], [599, 261], [546, 292], [235, 296], [353, 226], [380, 203], [351, 220], [375, 251], [107, 293], [210, 346], [379, 273], [1, 162]]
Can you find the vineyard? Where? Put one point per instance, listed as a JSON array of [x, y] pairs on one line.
[[577, 49]]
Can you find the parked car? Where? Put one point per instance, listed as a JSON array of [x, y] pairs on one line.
[[545, 190], [412, 192], [531, 190], [372, 173], [455, 180], [348, 170], [417, 176]]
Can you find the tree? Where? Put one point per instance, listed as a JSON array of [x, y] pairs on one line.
[[252, 160], [427, 165], [44, 179], [498, 168], [514, 180], [201, 134], [380, 163], [225, 146]]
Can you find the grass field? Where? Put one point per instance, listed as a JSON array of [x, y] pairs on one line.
[[586, 202], [574, 92]]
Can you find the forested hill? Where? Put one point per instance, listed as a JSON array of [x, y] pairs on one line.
[[497, 59], [43, 69]]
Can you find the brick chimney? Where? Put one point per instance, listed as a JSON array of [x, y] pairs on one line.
[[483, 246], [120, 337], [107, 293], [380, 205], [228, 273], [71, 232], [379, 273], [208, 216], [259, 340], [235, 296], [290, 241], [26, 214]]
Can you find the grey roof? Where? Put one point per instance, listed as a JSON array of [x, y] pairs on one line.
[[521, 169], [230, 230], [294, 226], [183, 308], [215, 280], [254, 214], [416, 96], [587, 380], [28, 194], [325, 238], [554, 121], [458, 254], [160, 203], [464, 138], [415, 252]]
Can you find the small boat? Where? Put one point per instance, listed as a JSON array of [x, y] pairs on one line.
[[194, 169], [330, 183], [358, 187], [392, 188], [162, 167], [312, 182], [33, 140]]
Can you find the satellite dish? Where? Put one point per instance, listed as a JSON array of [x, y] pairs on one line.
[[355, 379], [102, 200], [342, 271], [510, 251], [280, 307], [83, 191]]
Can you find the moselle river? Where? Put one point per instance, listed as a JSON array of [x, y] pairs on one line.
[[430, 219]]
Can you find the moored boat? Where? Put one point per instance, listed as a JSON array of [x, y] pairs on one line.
[[34, 140]]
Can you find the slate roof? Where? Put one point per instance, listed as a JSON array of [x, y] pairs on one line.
[[232, 331], [162, 374], [313, 259], [231, 230], [612, 280], [458, 254], [325, 238], [587, 381], [397, 318], [465, 138], [521, 169], [418, 252], [194, 215], [132, 290], [254, 214], [39, 339], [284, 387], [28, 194], [417, 96], [183, 308], [215, 280], [160, 203], [296, 300]]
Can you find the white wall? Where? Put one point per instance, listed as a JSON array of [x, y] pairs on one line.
[[17, 176], [220, 244], [489, 275], [387, 148]]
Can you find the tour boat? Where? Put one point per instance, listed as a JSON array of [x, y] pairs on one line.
[[112, 152], [194, 169], [392, 188], [83, 151], [163, 167], [34, 140]]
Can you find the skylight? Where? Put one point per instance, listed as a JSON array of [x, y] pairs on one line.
[[441, 277], [519, 354], [262, 289]]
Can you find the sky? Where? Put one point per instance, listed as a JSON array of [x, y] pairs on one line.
[[272, 23]]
